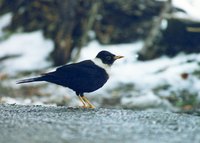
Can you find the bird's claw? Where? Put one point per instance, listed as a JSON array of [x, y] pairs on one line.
[[87, 107], [91, 106]]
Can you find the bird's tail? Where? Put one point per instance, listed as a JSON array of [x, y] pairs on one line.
[[30, 80]]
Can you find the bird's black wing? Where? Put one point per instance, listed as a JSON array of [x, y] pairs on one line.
[[81, 77]]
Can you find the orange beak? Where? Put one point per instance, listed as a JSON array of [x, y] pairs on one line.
[[118, 57]]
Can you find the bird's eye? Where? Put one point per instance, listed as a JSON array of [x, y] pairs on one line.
[[108, 58]]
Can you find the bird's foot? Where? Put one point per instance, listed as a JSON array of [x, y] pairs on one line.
[[88, 103], [91, 106]]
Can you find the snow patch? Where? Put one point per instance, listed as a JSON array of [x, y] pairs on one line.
[[143, 101], [191, 7], [31, 51]]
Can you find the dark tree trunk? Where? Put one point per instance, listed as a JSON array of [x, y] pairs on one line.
[[150, 48], [65, 26]]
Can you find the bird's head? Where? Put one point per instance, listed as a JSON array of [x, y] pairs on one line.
[[107, 57]]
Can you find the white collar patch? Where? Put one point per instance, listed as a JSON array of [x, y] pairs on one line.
[[99, 63]]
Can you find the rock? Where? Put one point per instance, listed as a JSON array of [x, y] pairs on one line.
[[48, 124]]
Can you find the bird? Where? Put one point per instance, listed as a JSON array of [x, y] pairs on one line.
[[85, 76]]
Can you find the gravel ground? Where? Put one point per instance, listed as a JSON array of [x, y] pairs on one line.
[[39, 124]]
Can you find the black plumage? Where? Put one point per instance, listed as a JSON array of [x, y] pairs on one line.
[[85, 76]]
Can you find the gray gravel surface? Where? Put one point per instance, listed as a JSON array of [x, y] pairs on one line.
[[39, 124]]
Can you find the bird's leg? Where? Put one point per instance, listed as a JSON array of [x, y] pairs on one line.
[[84, 104], [88, 102]]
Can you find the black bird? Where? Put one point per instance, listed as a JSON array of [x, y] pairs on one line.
[[85, 76]]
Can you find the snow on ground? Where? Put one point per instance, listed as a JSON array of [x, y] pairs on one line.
[[31, 51], [191, 9]]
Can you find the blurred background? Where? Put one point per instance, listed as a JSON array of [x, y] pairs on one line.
[[160, 40]]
